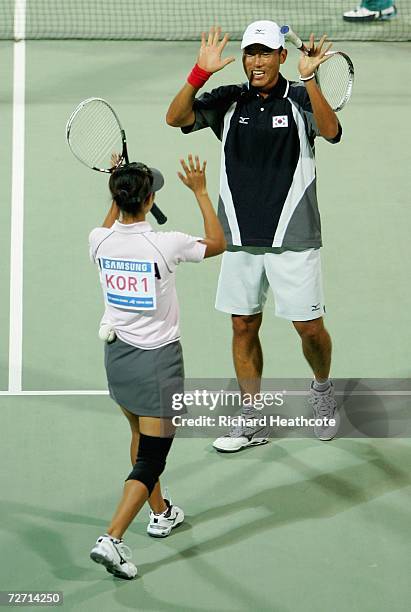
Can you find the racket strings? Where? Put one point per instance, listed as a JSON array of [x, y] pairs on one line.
[[95, 137], [335, 80], [95, 134], [96, 149], [96, 152], [102, 144]]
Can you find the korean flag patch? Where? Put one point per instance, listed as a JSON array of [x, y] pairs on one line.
[[280, 121]]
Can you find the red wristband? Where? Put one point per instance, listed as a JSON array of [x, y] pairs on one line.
[[198, 77]]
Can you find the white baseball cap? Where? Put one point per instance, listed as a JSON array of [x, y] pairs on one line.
[[265, 33]]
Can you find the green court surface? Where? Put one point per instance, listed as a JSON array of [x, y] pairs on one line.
[[363, 193], [294, 526]]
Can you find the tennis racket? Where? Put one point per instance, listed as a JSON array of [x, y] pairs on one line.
[[335, 77], [94, 133]]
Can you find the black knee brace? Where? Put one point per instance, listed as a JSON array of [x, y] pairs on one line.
[[151, 460]]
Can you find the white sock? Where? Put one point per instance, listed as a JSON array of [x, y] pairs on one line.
[[321, 386], [115, 540]]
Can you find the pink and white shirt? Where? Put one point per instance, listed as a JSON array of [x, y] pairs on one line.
[[137, 273]]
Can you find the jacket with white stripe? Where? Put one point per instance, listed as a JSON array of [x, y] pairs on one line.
[[268, 178]]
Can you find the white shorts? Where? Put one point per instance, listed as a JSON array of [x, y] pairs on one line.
[[294, 277]]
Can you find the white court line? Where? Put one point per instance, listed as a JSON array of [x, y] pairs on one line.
[[292, 393], [17, 200]]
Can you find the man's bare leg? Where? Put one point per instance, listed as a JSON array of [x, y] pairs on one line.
[[316, 345], [247, 352]]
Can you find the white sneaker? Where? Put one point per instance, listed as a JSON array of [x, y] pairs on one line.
[[325, 407], [361, 13], [243, 435], [160, 525], [115, 556]]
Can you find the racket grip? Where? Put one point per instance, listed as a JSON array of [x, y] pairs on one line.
[[158, 215], [292, 37]]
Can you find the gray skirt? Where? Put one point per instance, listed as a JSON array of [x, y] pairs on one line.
[[144, 381]]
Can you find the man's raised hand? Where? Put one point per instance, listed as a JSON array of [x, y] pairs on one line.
[[209, 57], [316, 55]]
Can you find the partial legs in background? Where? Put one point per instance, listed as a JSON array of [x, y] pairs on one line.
[[371, 10]]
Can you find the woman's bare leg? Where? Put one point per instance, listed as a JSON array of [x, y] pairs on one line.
[[156, 501], [135, 493]]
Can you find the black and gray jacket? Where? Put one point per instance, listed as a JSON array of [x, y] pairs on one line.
[[268, 178]]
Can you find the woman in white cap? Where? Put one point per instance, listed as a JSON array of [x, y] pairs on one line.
[[143, 356]]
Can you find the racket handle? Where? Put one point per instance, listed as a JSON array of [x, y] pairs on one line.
[[158, 215], [292, 37]]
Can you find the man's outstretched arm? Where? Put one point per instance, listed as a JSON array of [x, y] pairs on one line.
[[324, 115], [180, 112]]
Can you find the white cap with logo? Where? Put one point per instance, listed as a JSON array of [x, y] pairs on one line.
[[266, 33]]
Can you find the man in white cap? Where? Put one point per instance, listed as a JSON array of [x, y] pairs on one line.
[[267, 206]]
